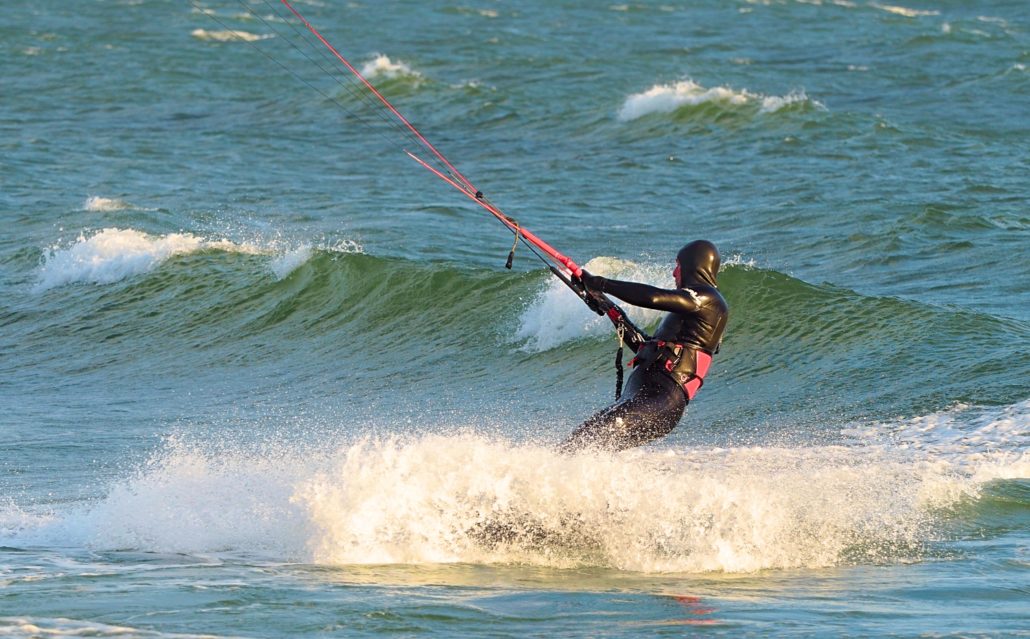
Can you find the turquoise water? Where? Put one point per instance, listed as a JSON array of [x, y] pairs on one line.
[[261, 375]]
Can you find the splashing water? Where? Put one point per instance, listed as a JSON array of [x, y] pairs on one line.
[[667, 98]]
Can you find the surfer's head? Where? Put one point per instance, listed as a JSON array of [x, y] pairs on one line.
[[697, 263]]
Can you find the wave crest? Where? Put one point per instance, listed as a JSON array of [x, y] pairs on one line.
[[555, 316], [668, 98], [228, 35], [114, 254], [382, 66]]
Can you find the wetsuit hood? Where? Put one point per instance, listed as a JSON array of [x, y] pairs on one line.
[[698, 263]]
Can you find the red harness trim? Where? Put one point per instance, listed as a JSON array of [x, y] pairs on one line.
[[704, 362]]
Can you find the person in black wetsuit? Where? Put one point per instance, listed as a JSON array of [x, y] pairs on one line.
[[670, 367]]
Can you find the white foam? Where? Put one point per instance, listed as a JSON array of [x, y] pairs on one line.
[[467, 498], [290, 261], [228, 35], [104, 204], [667, 98], [13, 518], [904, 11], [556, 316], [114, 254], [291, 257], [383, 66], [344, 246], [726, 510], [771, 104], [60, 627], [983, 442]]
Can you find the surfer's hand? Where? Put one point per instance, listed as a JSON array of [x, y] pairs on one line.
[[592, 282]]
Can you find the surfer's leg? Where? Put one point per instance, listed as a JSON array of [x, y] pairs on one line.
[[651, 412]]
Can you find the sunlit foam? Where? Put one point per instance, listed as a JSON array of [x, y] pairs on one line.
[[555, 316], [290, 261], [987, 443], [105, 204], [114, 254], [771, 104], [382, 66], [666, 98], [468, 498], [228, 35], [904, 11], [60, 627]]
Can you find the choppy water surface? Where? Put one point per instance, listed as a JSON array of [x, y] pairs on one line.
[[262, 375]]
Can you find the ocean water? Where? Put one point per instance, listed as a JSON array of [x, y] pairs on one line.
[[261, 375]]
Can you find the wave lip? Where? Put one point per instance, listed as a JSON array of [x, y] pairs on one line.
[[904, 11], [99, 204], [554, 317], [382, 66], [114, 254], [668, 98], [228, 35]]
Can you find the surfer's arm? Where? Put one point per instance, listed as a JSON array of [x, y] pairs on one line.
[[644, 295]]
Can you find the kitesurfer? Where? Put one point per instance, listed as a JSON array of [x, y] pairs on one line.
[[670, 367]]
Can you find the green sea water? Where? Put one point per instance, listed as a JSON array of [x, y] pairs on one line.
[[261, 375]]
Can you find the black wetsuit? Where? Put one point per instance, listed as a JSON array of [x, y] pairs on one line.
[[655, 397]]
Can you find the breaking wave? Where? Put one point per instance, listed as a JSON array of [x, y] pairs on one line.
[[228, 35], [469, 498], [113, 254], [104, 204], [382, 66], [668, 98]]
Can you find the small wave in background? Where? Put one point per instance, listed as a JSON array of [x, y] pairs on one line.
[[668, 98], [112, 254]]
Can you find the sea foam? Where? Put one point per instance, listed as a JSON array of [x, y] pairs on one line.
[[382, 66], [113, 254], [555, 316], [904, 11], [99, 204], [667, 98], [463, 497], [987, 443], [228, 35], [290, 261]]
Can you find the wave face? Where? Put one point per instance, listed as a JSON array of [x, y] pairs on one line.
[[789, 341], [184, 300]]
